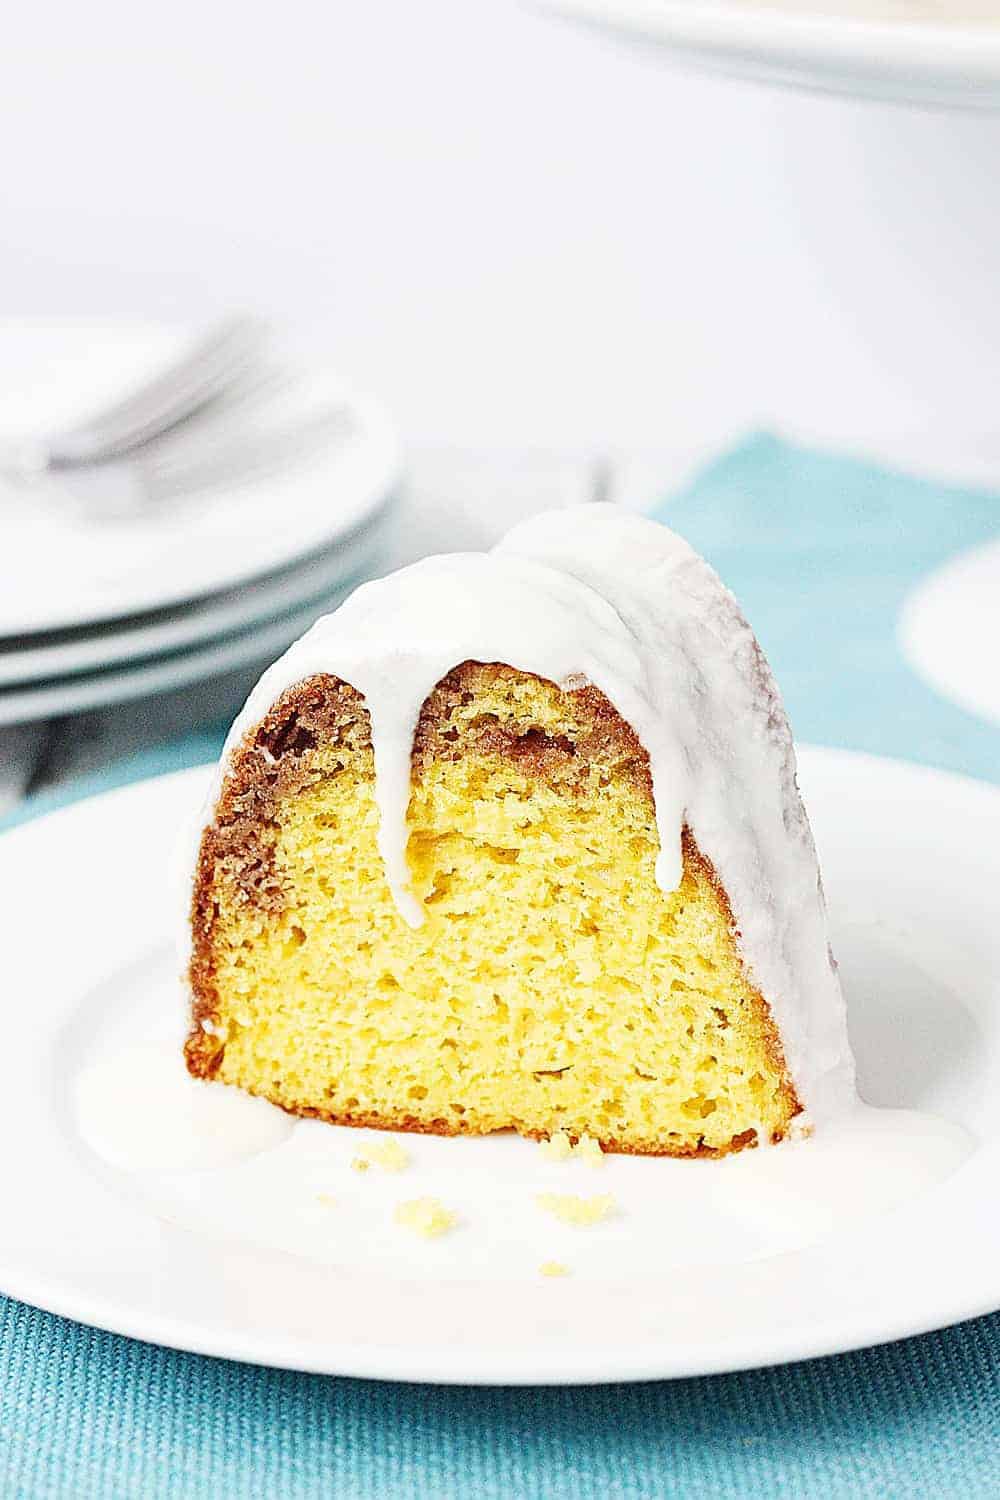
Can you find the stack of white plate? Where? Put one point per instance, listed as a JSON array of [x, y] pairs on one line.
[[97, 610]]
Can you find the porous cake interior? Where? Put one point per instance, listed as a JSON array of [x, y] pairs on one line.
[[552, 986]]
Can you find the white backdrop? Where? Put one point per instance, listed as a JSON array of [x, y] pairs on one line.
[[518, 234]]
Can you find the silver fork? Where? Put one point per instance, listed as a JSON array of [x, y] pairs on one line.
[[201, 374], [225, 455]]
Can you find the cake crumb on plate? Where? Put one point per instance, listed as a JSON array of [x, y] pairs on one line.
[[572, 1209], [425, 1216], [588, 1149], [560, 1147], [388, 1154], [553, 1268]]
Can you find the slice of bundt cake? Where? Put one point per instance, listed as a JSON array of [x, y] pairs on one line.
[[513, 840]]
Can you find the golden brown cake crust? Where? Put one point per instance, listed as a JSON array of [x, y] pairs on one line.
[[271, 763]]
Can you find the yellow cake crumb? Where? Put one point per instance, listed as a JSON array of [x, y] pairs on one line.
[[572, 1209], [425, 1216], [553, 1268], [361, 1164], [389, 1155], [326, 1200], [589, 1150], [558, 1147]]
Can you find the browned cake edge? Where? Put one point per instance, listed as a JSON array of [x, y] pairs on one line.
[[270, 763]]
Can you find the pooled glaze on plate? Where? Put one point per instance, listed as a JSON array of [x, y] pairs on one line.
[[230, 1165]]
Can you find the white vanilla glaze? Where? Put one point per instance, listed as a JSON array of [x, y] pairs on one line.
[[138, 1108], [235, 1168], [595, 595]]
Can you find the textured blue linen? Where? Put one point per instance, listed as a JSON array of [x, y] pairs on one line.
[[822, 551]]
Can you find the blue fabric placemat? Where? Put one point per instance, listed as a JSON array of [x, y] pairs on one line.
[[821, 551]]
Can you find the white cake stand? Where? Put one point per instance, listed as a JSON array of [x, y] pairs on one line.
[[888, 219], [878, 49]]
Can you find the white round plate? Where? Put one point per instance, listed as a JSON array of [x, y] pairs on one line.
[[256, 646], [34, 659], [881, 49], [61, 567], [245, 1261]]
